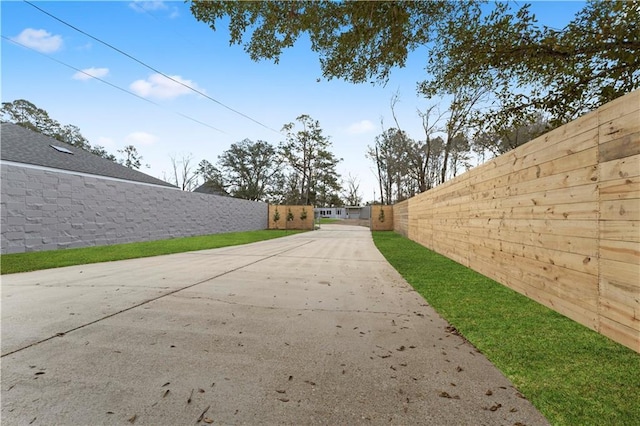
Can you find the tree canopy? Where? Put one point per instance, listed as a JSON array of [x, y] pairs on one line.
[[300, 170], [532, 69], [306, 151], [356, 40], [250, 169], [528, 67]]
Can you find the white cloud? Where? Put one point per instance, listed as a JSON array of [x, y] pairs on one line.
[[141, 6], [174, 14], [87, 73], [160, 87], [364, 126], [40, 40], [140, 138]]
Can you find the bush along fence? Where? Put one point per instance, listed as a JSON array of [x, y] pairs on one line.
[[291, 217], [557, 219]]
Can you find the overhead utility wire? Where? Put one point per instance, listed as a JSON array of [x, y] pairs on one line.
[[114, 86], [150, 67]]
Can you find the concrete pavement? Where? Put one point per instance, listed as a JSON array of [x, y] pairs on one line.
[[314, 328]]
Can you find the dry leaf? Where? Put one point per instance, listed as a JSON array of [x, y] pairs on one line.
[[202, 415], [446, 395]]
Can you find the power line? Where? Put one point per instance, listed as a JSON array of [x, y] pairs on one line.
[[113, 85], [150, 67]]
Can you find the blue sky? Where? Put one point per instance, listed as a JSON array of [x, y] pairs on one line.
[[165, 36]]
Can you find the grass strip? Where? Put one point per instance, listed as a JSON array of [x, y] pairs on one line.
[[571, 374], [327, 220], [33, 261]]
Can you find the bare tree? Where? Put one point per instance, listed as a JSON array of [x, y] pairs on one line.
[[460, 117], [351, 192], [431, 123], [185, 176], [390, 155]]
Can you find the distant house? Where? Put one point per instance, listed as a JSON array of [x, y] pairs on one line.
[[345, 212], [211, 188]]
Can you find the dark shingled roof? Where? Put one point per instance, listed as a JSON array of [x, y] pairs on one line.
[[22, 145], [210, 188]]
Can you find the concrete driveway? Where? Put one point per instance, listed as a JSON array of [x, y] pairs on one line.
[[314, 328]]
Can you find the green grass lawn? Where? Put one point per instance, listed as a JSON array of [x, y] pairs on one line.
[[33, 261], [324, 220], [572, 374]]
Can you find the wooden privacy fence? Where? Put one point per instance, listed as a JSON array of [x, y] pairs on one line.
[[290, 217], [382, 218], [557, 219]]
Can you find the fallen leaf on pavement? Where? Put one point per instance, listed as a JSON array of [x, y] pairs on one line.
[[202, 415]]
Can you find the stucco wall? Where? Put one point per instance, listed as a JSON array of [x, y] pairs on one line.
[[48, 210]]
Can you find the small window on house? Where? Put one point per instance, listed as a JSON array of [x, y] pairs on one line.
[[61, 149]]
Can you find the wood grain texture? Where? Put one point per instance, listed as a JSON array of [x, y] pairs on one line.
[[556, 219]]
